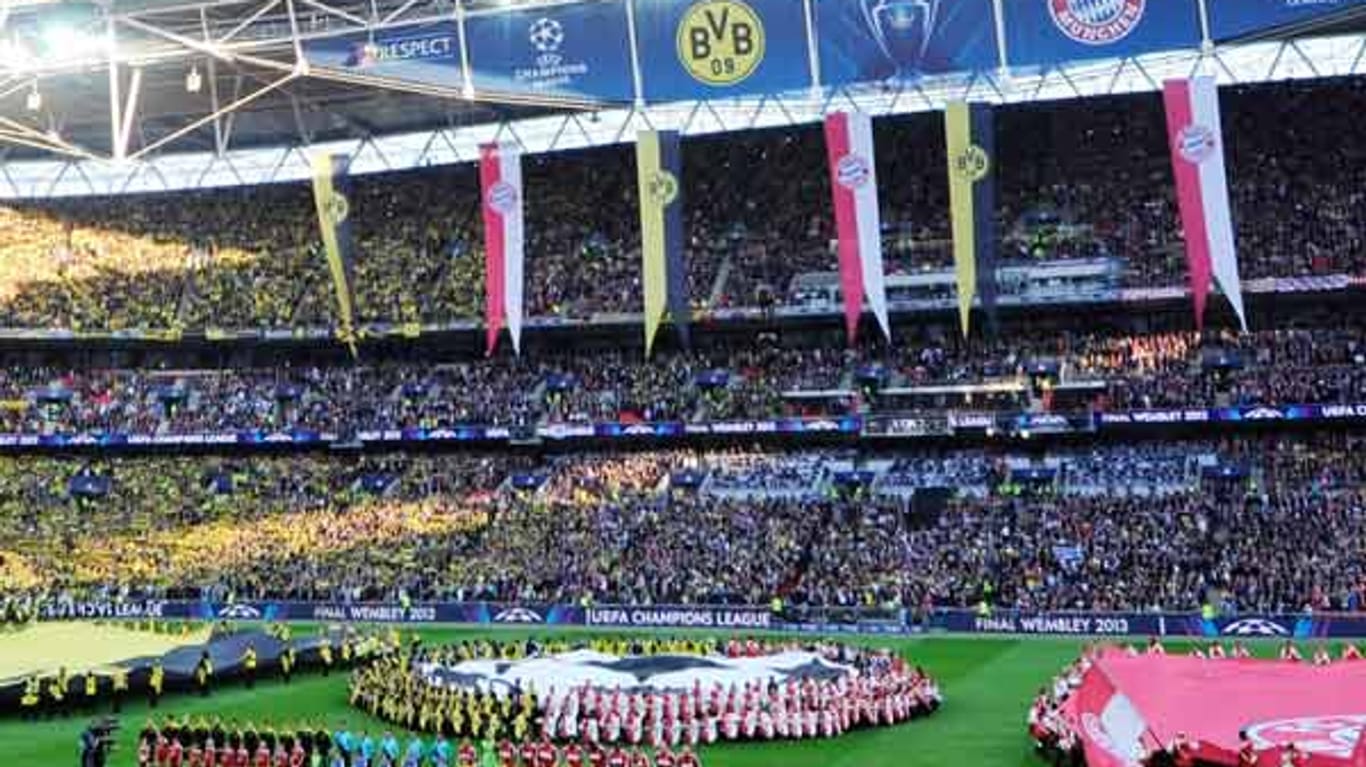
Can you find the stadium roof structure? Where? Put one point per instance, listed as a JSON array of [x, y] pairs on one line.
[[122, 96]]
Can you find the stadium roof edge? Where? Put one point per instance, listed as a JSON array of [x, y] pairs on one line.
[[1249, 63]]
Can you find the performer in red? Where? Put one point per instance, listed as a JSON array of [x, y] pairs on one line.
[[664, 757], [262, 756], [1216, 651], [573, 755], [1350, 652], [1290, 652], [596, 756], [466, 756], [1155, 647], [686, 758], [507, 754], [195, 755], [175, 753], [1182, 751], [163, 750], [1247, 753], [545, 753], [297, 754], [210, 753], [241, 759], [527, 751], [1321, 656], [617, 758]]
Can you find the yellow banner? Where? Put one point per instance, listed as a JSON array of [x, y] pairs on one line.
[[958, 132], [653, 200]]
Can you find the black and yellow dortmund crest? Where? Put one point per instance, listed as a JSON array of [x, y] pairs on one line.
[[720, 42]]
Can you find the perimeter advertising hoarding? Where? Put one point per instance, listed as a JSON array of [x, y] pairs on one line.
[[1229, 19], [578, 51], [1042, 33], [878, 40], [716, 49], [738, 618], [422, 53]]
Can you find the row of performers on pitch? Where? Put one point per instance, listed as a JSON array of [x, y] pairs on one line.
[[807, 709], [1320, 656], [174, 746]]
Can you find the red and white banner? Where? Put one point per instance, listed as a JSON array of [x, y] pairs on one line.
[[853, 181], [500, 177], [1197, 146]]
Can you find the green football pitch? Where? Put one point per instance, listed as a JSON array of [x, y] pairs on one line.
[[988, 684]]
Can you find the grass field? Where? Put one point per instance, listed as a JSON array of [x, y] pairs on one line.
[[988, 684]]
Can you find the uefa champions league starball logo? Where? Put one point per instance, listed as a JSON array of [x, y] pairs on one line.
[[546, 35], [1096, 22]]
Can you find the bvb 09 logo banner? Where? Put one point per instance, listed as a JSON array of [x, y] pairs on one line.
[[720, 48]]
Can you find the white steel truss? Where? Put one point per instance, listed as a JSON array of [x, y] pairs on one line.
[[261, 43]]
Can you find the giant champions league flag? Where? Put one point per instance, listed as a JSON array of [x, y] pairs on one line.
[[853, 184], [659, 165], [330, 193], [1197, 147], [971, 139], [500, 177]]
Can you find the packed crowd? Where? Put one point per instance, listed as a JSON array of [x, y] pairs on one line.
[[615, 528], [757, 209], [1118, 370]]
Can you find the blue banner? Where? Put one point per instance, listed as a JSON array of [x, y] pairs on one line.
[[1046, 32], [424, 53], [1230, 19], [876, 40], [726, 618], [579, 51], [708, 49]]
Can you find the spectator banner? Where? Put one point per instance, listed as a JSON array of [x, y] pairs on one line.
[[1041, 33], [1229, 19], [879, 40], [971, 140], [853, 184], [500, 178], [713, 49], [425, 53], [737, 618], [63, 609], [1197, 148], [331, 193], [918, 425], [571, 51], [659, 165]]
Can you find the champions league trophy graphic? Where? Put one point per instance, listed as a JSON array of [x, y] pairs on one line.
[[902, 28]]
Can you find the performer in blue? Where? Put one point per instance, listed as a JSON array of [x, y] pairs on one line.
[[412, 756], [344, 741], [441, 752], [365, 752], [388, 750]]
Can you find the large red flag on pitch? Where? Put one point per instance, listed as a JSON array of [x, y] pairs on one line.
[[500, 176]]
